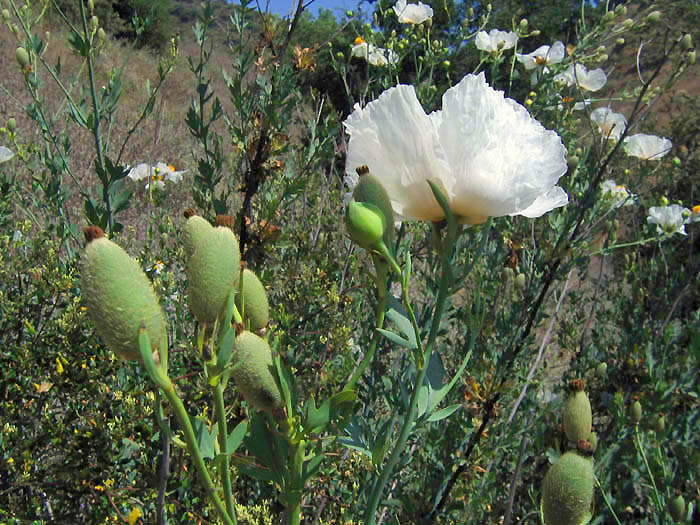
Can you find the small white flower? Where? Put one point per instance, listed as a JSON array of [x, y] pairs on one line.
[[140, 172], [412, 13], [5, 154], [485, 152], [578, 75], [543, 56], [495, 40], [157, 267], [611, 124], [647, 147], [616, 193], [669, 219], [376, 56], [157, 175]]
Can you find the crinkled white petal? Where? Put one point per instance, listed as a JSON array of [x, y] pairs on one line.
[[495, 40], [669, 219], [647, 147], [617, 194], [412, 13], [578, 75], [360, 50], [502, 159], [611, 124], [140, 172], [554, 198], [5, 154], [395, 138], [543, 55]]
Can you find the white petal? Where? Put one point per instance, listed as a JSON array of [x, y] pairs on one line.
[[397, 141], [647, 147], [502, 159], [5, 154], [611, 124], [412, 13], [554, 198], [140, 172]]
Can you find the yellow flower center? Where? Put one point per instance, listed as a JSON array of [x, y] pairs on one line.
[[359, 40], [171, 167], [696, 209]]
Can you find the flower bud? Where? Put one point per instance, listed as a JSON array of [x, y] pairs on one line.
[[446, 64], [22, 57], [636, 411], [627, 23], [255, 375], [603, 58], [370, 190], [654, 17], [523, 25], [365, 224], [620, 41], [94, 22], [621, 10], [676, 162], [659, 423], [664, 200], [578, 417], [91, 5], [601, 370], [677, 508], [6, 15], [691, 57], [608, 17], [507, 274], [567, 490], [686, 41], [11, 124], [195, 230], [252, 301], [101, 35], [536, 33], [572, 161], [119, 296], [520, 281]]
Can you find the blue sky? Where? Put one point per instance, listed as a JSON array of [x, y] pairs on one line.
[[284, 7]]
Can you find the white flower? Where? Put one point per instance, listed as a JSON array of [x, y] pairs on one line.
[[5, 154], [617, 193], [543, 56], [377, 56], [669, 219], [578, 75], [495, 40], [647, 147], [412, 13], [157, 267], [158, 174], [485, 152], [611, 124]]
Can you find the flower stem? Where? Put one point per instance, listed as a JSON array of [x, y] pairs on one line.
[[218, 392], [640, 450]]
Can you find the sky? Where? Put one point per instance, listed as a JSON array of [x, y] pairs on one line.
[[284, 7]]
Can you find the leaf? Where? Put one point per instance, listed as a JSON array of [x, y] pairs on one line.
[[205, 439], [235, 438], [391, 336], [403, 324], [317, 418], [311, 467], [225, 353], [444, 413], [381, 442]]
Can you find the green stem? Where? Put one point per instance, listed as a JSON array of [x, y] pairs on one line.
[[293, 493], [223, 446], [640, 450], [607, 502]]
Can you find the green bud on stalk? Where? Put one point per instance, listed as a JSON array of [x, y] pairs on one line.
[[520, 281], [194, 231], [677, 508], [687, 41], [6, 15], [11, 124], [22, 57], [601, 370], [119, 296], [654, 17], [621, 10], [578, 417], [636, 411], [254, 374], [659, 423], [370, 190], [252, 301], [365, 224], [567, 491], [691, 57]]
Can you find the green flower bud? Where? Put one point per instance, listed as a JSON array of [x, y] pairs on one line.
[[567, 491], [119, 296], [621, 10], [608, 17], [256, 310], [22, 57], [691, 57], [523, 25], [196, 228], [601, 370], [101, 35], [508, 274], [5, 15], [620, 41], [686, 41], [664, 200], [94, 22], [628, 23], [654, 17], [213, 270], [636, 412], [470, 12], [446, 64], [578, 417], [603, 58], [677, 508], [365, 224], [91, 5], [536, 33], [370, 190], [659, 423], [11, 123], [255, 375], [520, 281], [572, 161]]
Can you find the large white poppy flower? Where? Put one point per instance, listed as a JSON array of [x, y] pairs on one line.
[[578, 75], [616, 193], [376, 56], [669, 219], [412, 13], [647, 147], [543, 56], [495, 40], [611, 124], [485, 152]]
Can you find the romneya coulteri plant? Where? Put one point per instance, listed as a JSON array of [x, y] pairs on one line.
[[366, 314]]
